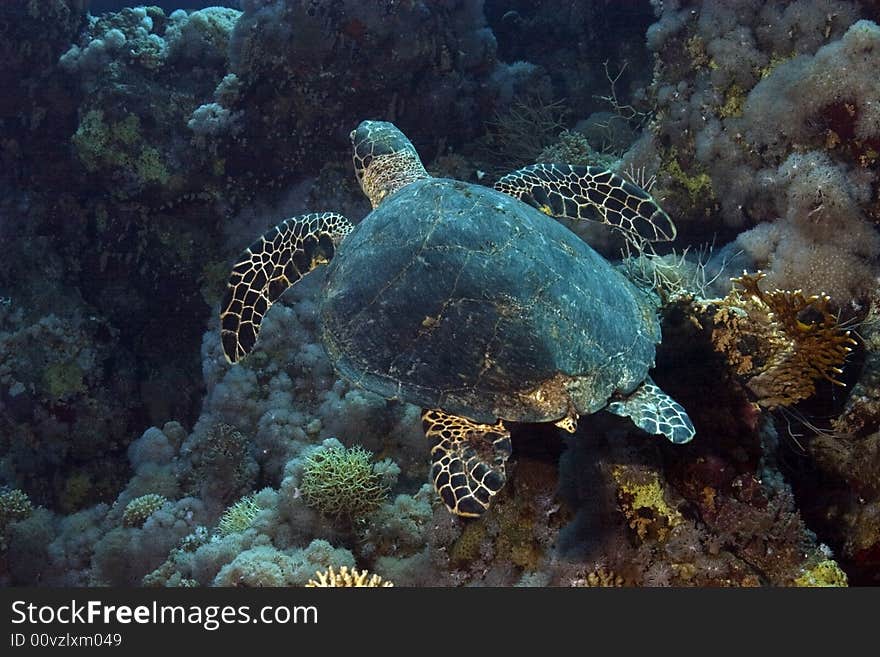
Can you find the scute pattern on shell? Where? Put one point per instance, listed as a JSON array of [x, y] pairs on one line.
[[456, 296]]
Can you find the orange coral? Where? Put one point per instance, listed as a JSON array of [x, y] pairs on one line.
[[780, 341]]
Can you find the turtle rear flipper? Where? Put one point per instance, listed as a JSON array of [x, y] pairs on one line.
[[654, 411], [269, 266], [592, 194], [467, 460]]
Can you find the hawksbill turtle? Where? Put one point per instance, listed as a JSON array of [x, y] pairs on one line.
[[472, 303]]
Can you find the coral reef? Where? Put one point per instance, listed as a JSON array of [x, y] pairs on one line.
[[824, 574], [14, 506], [140, 149], [219, 466], [846, 460], [570, 40], [344, 578], [62, 405], [141, 508], [316, 71], [38, 107], [239, 517], [268, 566], [126, 134], [573, 147], [342, 482], [729, 83], [770, 341]]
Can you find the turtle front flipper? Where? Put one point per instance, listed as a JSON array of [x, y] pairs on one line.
[[467, 460], [268, 267], [592, 194], [654, 411]]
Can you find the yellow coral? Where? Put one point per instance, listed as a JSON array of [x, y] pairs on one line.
[[775, 60], [643, 502], [599, 578], [63, 379], [824, 574], [150, 166], [767, 339], [345, 577], [698, 186], [734, 98]]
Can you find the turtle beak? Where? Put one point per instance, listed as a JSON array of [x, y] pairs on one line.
[[351, 135]]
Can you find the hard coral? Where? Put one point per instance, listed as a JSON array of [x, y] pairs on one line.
[[762, 527], [118, 147], [239, 517], [599, 578], [825, 573], [342, 482], [265, 565], [14, 505], [780, 342], [139, 509], [345, 578]]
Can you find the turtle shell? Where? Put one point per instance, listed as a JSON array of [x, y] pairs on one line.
[[455, 296]]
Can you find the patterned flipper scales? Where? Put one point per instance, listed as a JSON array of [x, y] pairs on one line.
[[654, 411], [268, 267], [592, 194], [467, 461]]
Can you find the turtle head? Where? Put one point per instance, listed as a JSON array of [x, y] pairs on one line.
[[384, 160]]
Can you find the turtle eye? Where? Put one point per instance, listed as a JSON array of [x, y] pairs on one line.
[[351, 135]]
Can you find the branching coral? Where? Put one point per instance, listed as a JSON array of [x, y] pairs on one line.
[[239, 517], [780, 342], [331, 578], [342, 482], [139, 509], [599, 578], [14, 505], [520, 133]]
